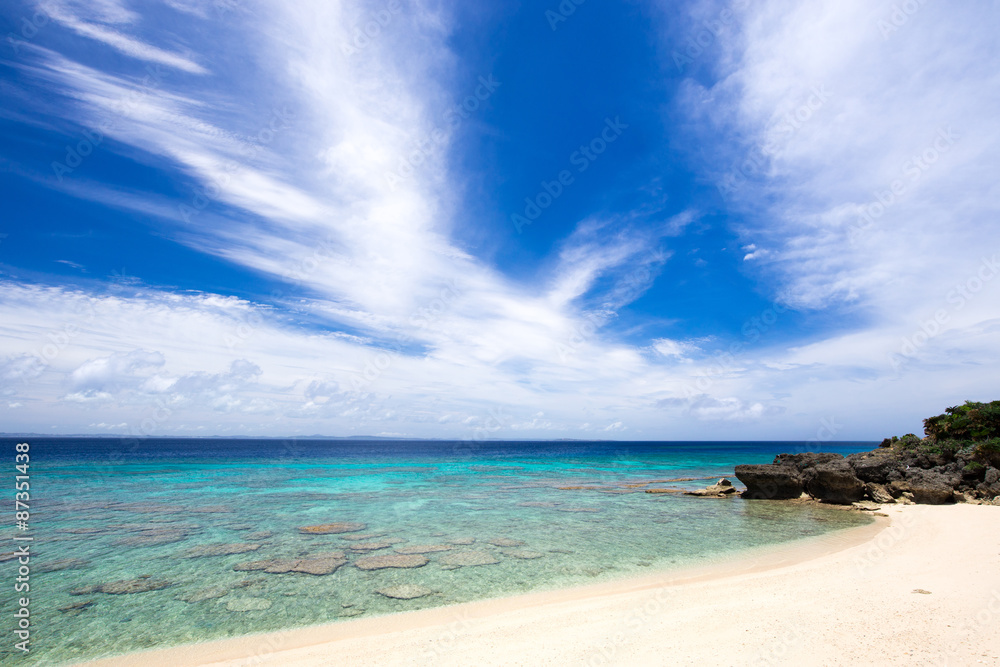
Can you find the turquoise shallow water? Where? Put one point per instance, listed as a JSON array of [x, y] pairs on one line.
[[111, 510]]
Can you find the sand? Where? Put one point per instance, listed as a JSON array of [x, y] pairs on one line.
[[921, 587]]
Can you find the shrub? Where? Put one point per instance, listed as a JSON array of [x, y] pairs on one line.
[[987, 453], [971, 421]]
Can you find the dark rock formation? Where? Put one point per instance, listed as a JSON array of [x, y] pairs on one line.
[[834, 482], [721, 489], [770, 481]]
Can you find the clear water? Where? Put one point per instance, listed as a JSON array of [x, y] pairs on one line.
[[107, 502]]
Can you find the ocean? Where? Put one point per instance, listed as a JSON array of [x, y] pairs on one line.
[[179, 520]]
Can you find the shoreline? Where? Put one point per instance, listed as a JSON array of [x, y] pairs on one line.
[[442, 628]]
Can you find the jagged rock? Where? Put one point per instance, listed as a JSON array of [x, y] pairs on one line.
[[834, 482], [405, 592], [720, 489], [867, 506], [390, 560], [468, 559], [205, 550], [333, 528], [523, 554], [505, 542], [806, 459], [202, 594], [424, 549], [770, 481], [930, 488], [873, 467], [248, 604], [992, 476], [878, 493]]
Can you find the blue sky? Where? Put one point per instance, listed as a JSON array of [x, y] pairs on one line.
[[633, 220]]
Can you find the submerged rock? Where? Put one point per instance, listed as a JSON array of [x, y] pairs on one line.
[[463, 540], [375, 546], [506, 542], [143, 584], [390, 560], [468, 559], [62, 564], [152, 538], [248, 604], [523, 554], [333, 528], [205, 550], [424, 549], [363, 536], [202, 594], [260, 535], [76, 607], [320, 564], [405, 592]]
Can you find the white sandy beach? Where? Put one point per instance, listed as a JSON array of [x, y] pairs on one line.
[[845, 600]]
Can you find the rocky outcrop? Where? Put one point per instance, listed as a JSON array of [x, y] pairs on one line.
[[721, 489], [834, 482], [770, 481]]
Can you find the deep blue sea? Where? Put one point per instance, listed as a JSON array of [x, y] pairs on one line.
[[206, 532]]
